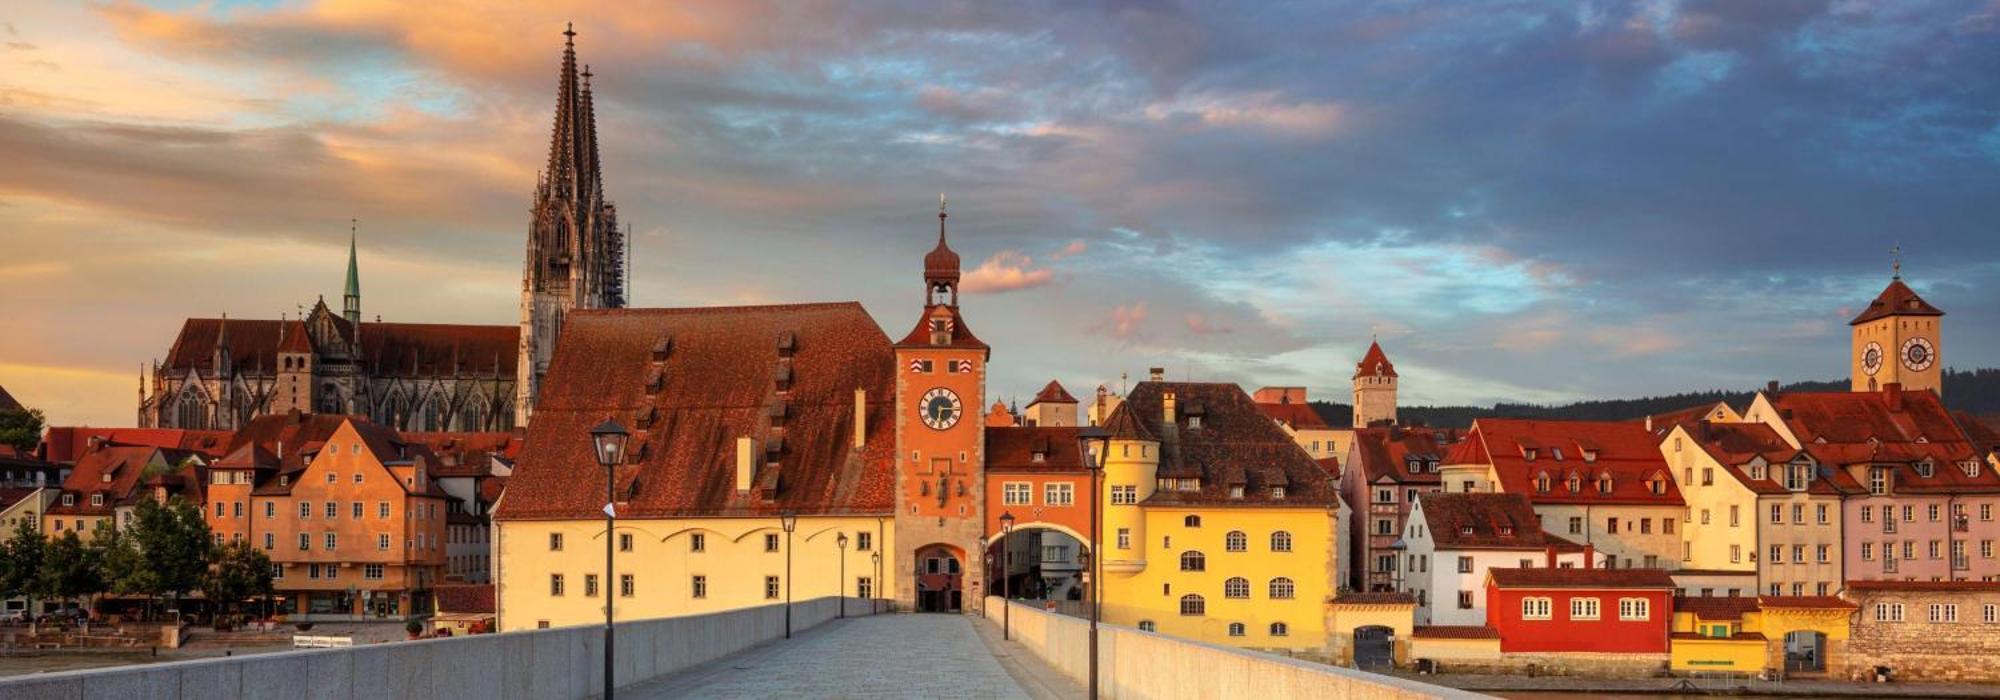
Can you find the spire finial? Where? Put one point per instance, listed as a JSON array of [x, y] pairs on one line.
[[569, 33], [586, 76], [1896, 261], [940, 205]]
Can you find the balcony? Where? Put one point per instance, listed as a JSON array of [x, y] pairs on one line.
[[1384, 509]]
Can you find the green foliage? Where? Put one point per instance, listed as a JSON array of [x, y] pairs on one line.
[[68, 569], [21, 428], [21, 561], [120, 566], [173, 543], [240, 571]]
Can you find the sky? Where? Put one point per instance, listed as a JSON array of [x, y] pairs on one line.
[[1524, 201]]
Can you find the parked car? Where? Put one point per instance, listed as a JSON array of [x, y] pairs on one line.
[[15, 617]]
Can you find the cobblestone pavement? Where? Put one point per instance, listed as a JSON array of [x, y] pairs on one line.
[[884, 656]]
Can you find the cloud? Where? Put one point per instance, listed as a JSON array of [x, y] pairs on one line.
[[1126, 320], [1074, 248], [1199, 324], [1006, 271]]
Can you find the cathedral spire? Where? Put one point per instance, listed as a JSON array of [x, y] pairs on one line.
[[351, 298]]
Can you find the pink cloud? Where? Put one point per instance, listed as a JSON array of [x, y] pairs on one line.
[[1075, 247], [1007, 271], [1201, 325], [1125, 320]]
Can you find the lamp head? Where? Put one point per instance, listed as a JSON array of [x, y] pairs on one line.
[[1095, 442], [789, 520], [608, 439]]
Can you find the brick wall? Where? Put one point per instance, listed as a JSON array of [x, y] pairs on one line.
[[1917, 648]]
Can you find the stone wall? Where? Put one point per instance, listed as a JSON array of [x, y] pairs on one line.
[[564, 663], [1916, 648], [1135, 664]]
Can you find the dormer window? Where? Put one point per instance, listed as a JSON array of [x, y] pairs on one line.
[[1574, 483], [1542, 482], [1194, 422], [1465, 529], [284, 481], [1506, 531], [69, 499], [1556, 453], [105, 477], [1589, 456], [1878, 481], [1971, 468], [1528, 453], [1657, 485], [1798, 477], [1604, 484], [1277, 492], [1235, 492], [97, 499], [1038, 457], [1924, 469], [1757, 471]]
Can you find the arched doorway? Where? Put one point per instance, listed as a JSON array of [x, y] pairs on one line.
[[1046, 564], [940, 576], [1374, 647], [1805, 652]]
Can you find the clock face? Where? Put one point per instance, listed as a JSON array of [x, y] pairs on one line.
[[1871, 358], [940, 408], [1918, 354]]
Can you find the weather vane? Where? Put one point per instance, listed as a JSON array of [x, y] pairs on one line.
[[1896, 261]]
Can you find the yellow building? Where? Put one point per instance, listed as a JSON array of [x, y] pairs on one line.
[[1793, 634], [1217, 526], [1757, 504]]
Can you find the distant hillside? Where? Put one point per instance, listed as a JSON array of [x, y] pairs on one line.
[[1977, 391]]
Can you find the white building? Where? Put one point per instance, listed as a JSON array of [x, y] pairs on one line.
[[1452, 539]]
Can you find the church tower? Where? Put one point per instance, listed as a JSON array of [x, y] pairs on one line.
[[576, 252], [1895, 340], [1374, 388], [351, 299], [940, 447]]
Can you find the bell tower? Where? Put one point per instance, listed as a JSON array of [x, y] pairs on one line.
[[1374, 388], [940, 447], [1896, 340]]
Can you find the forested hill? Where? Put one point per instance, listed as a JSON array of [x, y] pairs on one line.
[[1977, 391]]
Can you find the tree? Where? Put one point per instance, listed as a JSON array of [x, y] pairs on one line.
[[68, 571], [173, 544], [21, 428], [240, 571], [120, 566], [21, 563]]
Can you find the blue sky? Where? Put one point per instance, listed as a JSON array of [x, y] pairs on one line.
[[1524, 200]]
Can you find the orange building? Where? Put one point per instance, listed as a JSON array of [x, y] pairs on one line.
[[1037, 475]]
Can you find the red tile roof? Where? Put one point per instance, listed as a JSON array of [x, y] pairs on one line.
[[1375, 362], [961, 336], [1897, 299], [1487, 521], [1383, 598], [1454, 632], [124, 465], [1623, 450], [1812, 602], [1714, 608], [1014, 449], [1397, 452], [1734, 445], [1893, 426], [468, 454], [1053, 393], [387, 349], [1296, 416], [1662, 423], [717, 382], [1235, 447], [1581, 578], [68, 444], [455, 598]]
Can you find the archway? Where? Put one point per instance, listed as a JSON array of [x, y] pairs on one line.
[[940, 577], [1805, 652], [1046, 564], [1374, 647]]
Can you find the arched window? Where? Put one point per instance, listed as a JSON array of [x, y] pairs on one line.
[[1192, 521], [1236, 587], [1604, 483], [471, 419], [329, 399], [1192, 560], [1281, 588], [1574, 482], [191, 412], [1192, 605], [1280, 629], [1236, 541], [434, 414], [1542, 482], [1147, 626], [1235, 629], [1281, 541]]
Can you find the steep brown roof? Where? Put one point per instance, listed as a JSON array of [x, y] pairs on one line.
[[1454, 632], [1237, 446], [468, 454], [1296, 416], [1814, 602], [1734, 445], [961, 336], [1379, 598], [1893, 426], [1897, 299], [1398, 453], [1714, 608], [454, 598], [125, 465], [67, 444], [1374, 362], [7, 402], [1581, 578], [1623, 450], [1053, 393], [1014, 449], [386, 349], [1487, 521], [717, 380]]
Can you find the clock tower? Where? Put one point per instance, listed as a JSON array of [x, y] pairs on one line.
[[1895, 340], [940, 447]]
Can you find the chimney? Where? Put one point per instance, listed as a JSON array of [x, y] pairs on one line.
[[1156, 374], [746, 469], [1167, 406], [1771, 387], [1589, 556], [860, 418], [1552, 556], [1892, 393], [1649, 424]]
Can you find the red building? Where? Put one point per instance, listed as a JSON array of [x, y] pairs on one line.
[[1626, 611]]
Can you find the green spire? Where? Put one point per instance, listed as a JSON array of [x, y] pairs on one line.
[[352, 301]]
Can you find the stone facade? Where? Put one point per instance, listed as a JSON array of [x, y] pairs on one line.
[[1923, 631]]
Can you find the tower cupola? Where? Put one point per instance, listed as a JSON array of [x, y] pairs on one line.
[[941, 268]]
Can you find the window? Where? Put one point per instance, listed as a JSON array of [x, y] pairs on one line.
[[770, 542], [1989, 613], [332, 540], [624, 542], [1235, 629], [1147, 626], [864, 587], [1385, 526], [332, 477], [1465, 565], [1777, 554], [1236, 587], [1735, 553], [770, 588], [1823, 554], [1124, 538], [1708, 476], [1878, 481], [555, 584], [1191, 521], [1868, 551], [305, 509], [372, 572], [1946, 612], [1704, 516], [1666, 526], [1534, 608], [1280, 629], [1061, 494], [356, 508], [1236, 541], [305, 542], [1583, 608], [1124, 495], [1610, 524], [1798, 554], [1798, 476], [1193, 606], [382, 542], [1465, 600], [698, 542], [1634, 608], [555, 541], [1933, 512], [1986, 511], [1192, 560], [864, 541], [1282, 588], [699, 586], [1867, 514], [1735, 513], [625, 585], [332, 509], [1576, 526], [1888, 612], [382, 510], [1777, 514], [1017, 493], [1281, 541]]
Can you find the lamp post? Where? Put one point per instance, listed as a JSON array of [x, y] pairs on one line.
[[1096, 444], [609, 438], [875, 564], [790, 521], [841, 588], [1006, 581]]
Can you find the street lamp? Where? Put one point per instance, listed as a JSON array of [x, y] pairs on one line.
[[609, 440], [874, 585], [840, 589], [1096, 445], [1006, 581], [790, 521]]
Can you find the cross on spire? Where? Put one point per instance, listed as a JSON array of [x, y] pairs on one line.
[[1896, 261], [569, 33]]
